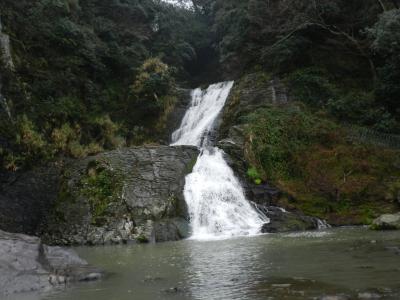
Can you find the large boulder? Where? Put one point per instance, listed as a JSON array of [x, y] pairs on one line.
[[387, 222], [28, 265], [134, 194]]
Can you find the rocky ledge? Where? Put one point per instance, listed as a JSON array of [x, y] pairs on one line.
[[28, 265], [283, 221], [127, 195], [121, 196]]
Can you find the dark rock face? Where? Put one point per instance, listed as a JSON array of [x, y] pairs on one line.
[[25, 198], [133, 194], [175, 117], [250, 94], [283, 221], [28, 265]]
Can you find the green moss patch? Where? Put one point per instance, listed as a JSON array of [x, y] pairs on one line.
[[101, 186]]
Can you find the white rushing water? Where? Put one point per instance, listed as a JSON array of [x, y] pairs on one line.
[[216, 202]]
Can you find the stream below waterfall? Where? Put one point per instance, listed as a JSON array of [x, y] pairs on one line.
[[346, 261]]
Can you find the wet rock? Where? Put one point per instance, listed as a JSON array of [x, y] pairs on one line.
[[28, 265], [283, 221], [387, 222], [171, 230]]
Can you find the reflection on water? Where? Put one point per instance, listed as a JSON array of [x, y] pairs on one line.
[[223, 270], [290, 266]]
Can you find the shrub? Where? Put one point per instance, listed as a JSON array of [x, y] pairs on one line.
[[277, 135], [253, 174], [106, 132], [153, 81]]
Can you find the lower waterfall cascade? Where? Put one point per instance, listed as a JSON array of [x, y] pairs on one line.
[[217, 205]]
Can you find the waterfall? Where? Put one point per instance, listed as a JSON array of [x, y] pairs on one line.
[[216, 201]]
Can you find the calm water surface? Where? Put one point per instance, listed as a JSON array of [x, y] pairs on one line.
[[349, 261]]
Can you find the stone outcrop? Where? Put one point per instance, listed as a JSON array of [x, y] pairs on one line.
[[133, 194], [284, 221], [387, 222], [28, 265]]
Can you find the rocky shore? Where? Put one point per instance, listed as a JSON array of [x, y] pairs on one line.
[[26, 264]]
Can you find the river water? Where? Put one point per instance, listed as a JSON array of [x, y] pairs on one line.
[[350, 261]]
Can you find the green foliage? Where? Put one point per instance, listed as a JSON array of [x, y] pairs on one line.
[[102, 187], [311, 86], [154, 80], [278, 134], [308, 156], [75, 62], [253, 174]]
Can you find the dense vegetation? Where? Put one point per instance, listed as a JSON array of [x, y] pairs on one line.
[[322, 169], [91, 74]]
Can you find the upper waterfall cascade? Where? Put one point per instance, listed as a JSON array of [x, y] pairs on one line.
[[216, 201]]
